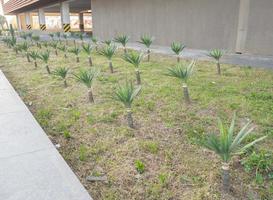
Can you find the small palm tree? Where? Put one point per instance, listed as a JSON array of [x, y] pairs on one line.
[[183, 73], [54, 45], [147, 41], [17, 48], [135, 59], [62, 73], [88, 50], [45, 45], [45, 58], [51, 35], [226, 145], [63, 48], [76, 51], [126, 95], [87, 77], [107, 42], [36, 39], [217, 54], [81, 36], [109, 52], [123, 40], [95, 42], [34, 55], [177, 48], [25, 48]]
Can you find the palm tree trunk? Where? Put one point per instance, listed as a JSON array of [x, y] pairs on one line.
[[225, 177], [66, 41], [90, 61], [186, 94], [65, 83], [28, 59], [149, 55], [218, 68], [130, 118], [138, 77], [96, 48], [178, 59], [74, 43], [56, 52], [90, 96], [65, 55], [47, 69], [111, 66], [35, 64], [125, 50], [78, 59]]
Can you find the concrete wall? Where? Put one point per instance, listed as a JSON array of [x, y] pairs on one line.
[[201, 24], [259, 37]]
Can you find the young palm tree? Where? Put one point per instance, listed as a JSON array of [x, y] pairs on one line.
[[54, 45], [147, 41], [88, 50], [17, 48], [226, 145], [62, 73], [81, 36], [87, 77], [109, 52], [45, 45], [177, 48], [183, 73], [107, 42], [45, 58], [135, 59], [95, 42], [36, 39], [63, 48], [76, 51], [51, 35], [123, 40], [216, 54], [34, 55], [126, 95], [25, 48]]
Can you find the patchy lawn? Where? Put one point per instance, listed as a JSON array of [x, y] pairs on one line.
[[168, 132]]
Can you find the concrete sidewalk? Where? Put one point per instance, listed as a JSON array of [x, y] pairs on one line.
[[30, 166]]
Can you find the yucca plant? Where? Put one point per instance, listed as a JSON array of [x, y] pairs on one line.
[[54, 45], [177, 48], [63, 48], [44, 56], [216, 54], [107, 42], [126, 95], [95, 42], [76, 51], [123, 40], [87, 78], [182, 72], [25, 48], [34, 55], [62, 73], [36, 39], [109, 52], [88, 50], [135, 59], [226, 145], [51, 35], [147, 41]]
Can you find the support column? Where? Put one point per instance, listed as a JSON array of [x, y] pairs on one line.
[[81, 22], [242, 25], [42, 22], [18, 20], [28, 21], [65, 16]]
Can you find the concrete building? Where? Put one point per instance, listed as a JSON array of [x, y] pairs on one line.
[[243, 26]]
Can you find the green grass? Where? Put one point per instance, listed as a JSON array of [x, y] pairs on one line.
[[168, 132]]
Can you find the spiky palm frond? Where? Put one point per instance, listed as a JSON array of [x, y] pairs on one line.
[[146, 40], [61, 72], [87, 48], [108, 51], [24, 46], [133, 58], [34, 55], [226, 145], [29, 35], [51, 35], [81, 36], [177, 48], [58, 35], [86, 77], [54, 45], [94, 40], [62, 48], [75, 50], [126, 94], [216, 54], [65, 36], [107, 42], [44, 56], [181, 71], [122, 39]]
